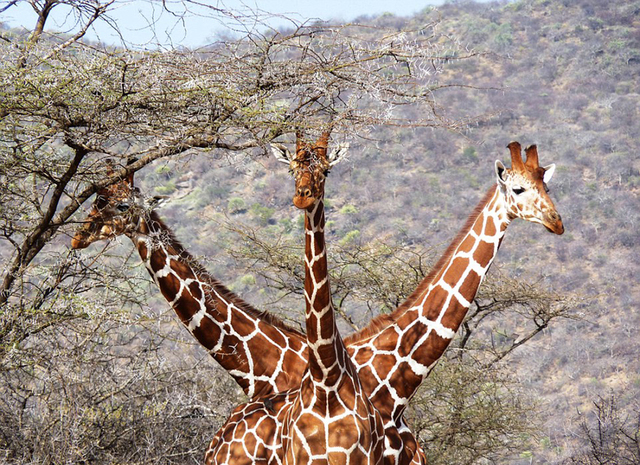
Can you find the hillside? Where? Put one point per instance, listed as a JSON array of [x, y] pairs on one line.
[[560, 74]]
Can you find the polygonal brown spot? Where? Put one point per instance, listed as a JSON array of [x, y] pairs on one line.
[[182, 270], [142, 250], [454, 314], [196, 290], [241, 324], [410, 338], [276, 337], [467, 244], [327, 326], [404, 380], [266, 428], [438, 297], [483, 255], [381, 399], [157, 261], [477, 228], [431, 350], [207, 333], [470, 285], [456, 268], [382, 363], [490, 229], [169, 286]]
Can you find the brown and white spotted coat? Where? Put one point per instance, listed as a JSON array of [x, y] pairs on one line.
[[260, 352], [396, 352], [331, 420]]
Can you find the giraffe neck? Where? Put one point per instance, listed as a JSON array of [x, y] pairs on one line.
[[326, 349], [235, 334], [330, 419], [442, 305], [436, 311], [424, 325]]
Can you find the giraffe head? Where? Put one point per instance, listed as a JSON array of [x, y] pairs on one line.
[[115, 211], [309, 166], [525, 188]]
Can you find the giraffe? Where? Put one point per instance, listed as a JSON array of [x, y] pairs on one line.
[[396, 352], [330, 419], [418, 332], [262, 354]]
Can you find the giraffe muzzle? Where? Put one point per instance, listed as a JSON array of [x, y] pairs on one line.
[[303, 198], [304, 192], [553, 223]]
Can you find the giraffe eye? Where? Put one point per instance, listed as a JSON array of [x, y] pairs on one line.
[[518, 190], [546, 188]]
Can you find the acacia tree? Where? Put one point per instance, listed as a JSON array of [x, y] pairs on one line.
[[79, 388], [68, 106]]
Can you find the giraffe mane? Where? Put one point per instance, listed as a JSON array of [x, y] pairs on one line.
[[381, 322], [203, 274]]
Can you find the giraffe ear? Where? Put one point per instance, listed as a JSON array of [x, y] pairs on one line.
[[337, 154], [548, 172], [500, 169], [281, 153]]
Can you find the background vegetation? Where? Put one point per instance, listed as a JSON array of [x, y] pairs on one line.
[[95, 367]]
